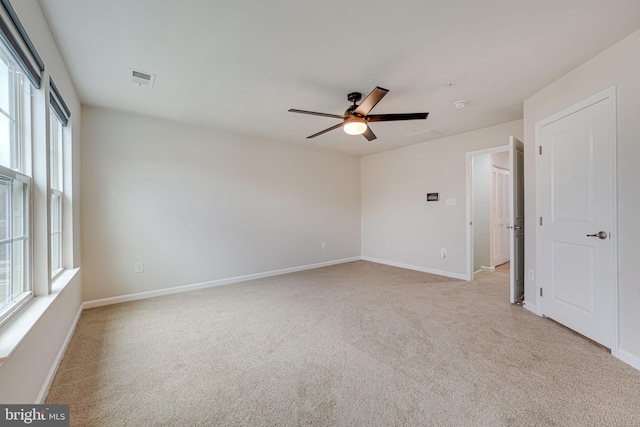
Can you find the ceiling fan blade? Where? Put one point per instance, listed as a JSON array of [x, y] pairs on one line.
[[313, 113], [369, 134], [371, 100], [394, 117], [325, 131]]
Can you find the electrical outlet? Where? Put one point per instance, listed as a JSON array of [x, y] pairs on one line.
[[324, 245], [443, 253], [138, 267], [531, 275], [451, 202]]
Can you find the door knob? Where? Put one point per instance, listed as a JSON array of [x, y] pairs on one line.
[[515, 227], [600, 235]]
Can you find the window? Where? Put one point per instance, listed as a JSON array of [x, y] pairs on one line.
[[15, 288], [15, 283], [55, 164], [59, 116], [11, 84]]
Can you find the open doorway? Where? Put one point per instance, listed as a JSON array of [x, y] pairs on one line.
[[490, 214], [495, 187]]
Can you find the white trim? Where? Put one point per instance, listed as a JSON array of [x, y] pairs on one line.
[[536, 223], [485, 268], [56, 362], [417, 268], [615, 339], [532, 308], [609, 93], [213, 283], [15, 330], [469, 196], [628, 358]]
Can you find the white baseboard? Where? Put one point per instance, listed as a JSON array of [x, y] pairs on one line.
[[628, 358], [186, 288], [485, 268], [56, 363], [417, 268]]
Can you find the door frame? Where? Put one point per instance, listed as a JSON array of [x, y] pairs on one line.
[[609, 93], [469, 196], [516, 219]]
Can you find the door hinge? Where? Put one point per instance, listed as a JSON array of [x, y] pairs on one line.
[[540, 220], [540, 291], [540, 150]]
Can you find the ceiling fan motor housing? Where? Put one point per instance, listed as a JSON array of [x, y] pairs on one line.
[[349, 111]]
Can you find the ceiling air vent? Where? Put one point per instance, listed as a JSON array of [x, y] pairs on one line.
[[142, 78]]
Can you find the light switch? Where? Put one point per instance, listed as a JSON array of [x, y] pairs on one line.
[[138, 267]]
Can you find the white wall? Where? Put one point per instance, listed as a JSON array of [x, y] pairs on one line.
[[398, 224], [619, 65], [196, 205], [25, 372], [26, 375]]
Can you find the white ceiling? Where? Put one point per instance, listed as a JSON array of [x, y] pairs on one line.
[[239, 65]]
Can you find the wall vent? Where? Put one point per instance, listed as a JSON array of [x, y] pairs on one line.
[[142, 78]]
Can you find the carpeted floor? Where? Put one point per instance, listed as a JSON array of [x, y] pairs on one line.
[[357, 344]]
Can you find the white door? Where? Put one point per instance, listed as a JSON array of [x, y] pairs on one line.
[[516, 218], [499, 216], [576, 162]]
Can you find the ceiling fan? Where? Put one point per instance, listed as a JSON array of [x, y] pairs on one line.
[[356, 118]]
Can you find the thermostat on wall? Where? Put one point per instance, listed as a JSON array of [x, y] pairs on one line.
[[432, 197]]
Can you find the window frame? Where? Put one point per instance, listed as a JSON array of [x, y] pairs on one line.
[[56, 190], [58, 267], [19, 119], [56, 151]]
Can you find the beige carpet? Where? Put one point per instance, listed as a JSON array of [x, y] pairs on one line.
[[356, 344]]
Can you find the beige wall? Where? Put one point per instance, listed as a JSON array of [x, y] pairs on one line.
[[197, 205], [619, 65], [398, 224]]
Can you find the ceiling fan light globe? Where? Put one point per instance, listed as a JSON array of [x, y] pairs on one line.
[[355, 127]]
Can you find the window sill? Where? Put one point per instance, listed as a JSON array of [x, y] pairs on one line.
[[16, 329]]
